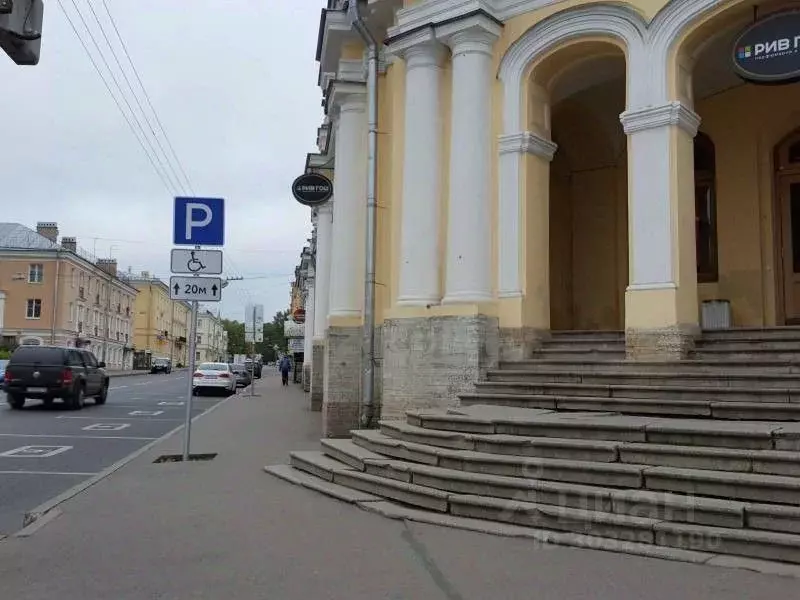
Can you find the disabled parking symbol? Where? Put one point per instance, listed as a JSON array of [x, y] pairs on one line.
[[34, 451]]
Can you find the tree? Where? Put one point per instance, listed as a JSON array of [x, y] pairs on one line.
[[273, 336], [236, 343]]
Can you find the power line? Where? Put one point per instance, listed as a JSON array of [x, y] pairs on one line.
[[133, 93], [113, 97], [119, 88], [147, 96]]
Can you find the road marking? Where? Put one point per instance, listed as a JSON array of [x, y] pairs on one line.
[[144, 383], [35, 451], [171, 403], [118, 387], [79, 437], [106, 427], [146, 413], [113, 418], [45, 473]]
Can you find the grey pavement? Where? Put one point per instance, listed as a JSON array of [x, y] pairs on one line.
[[224, 529], [47, 450]]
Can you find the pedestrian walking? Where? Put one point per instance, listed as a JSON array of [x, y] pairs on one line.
[[285, 366]]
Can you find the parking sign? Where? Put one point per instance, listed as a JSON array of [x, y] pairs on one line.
[[199, 222]]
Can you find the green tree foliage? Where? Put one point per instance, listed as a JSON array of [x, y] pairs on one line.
[[235, 331], [273, 336]]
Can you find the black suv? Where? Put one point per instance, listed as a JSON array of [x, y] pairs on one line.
[[50, 372]]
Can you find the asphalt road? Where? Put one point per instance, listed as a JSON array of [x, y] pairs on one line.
[[71, 446]]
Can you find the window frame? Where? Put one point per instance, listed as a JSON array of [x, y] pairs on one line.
[[36, 267], [30, 309]]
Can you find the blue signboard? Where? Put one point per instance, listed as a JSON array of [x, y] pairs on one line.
[[199, 222]]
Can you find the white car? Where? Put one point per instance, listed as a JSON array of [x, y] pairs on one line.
[[216, 377]]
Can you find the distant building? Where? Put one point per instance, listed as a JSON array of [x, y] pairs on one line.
[[212, 339], [56, 293], [161, 324]]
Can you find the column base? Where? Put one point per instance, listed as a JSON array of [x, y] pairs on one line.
[[659, 345], [519, 343], [342, 385], [418, 301], [306, 376], [317, 375], [467, 298], [429, 361]]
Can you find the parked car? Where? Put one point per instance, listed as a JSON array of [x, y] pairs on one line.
[[50, 372], [254, 367], [161, 365], [216, 377], [3, 364], [243, 377]]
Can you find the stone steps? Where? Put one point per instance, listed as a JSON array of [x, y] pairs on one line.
[[750, 435], [706, 408], [718, 367], [767, 462], [673, 520], [740, 379], [644, 391]]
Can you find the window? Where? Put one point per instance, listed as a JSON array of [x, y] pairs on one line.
[[197, 356], [33, 309], [705, 206], [199, 339], [36, 273]]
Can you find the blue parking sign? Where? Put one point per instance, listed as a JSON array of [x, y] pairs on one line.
[[199, 222]]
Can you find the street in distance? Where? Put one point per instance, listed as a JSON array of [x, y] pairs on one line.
[[200, 289]]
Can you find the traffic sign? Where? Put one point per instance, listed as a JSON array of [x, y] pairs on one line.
[[202, 262], [197, 289], [199, 222]]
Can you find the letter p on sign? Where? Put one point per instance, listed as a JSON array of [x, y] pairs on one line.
[[199, 222]]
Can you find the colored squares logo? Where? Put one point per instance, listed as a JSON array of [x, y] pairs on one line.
[[744, 52]]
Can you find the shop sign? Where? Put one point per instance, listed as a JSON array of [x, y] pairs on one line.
[[291, 329], [312, 189], [768, 51]]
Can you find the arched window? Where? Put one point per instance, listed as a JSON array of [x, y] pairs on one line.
[[705, 206]]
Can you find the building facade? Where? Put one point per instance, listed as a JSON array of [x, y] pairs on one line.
[[547, 166], [212, 340], [51, 292], [161, 324]]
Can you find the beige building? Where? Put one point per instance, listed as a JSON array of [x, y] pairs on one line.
[[160, 324], [212, 339], [54, 293]]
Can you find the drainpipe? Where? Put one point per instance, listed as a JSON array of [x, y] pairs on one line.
[[368, 353], [55, 298]]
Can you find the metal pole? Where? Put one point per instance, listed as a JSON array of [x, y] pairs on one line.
[[253, 357], [187, 433], [368, 352]]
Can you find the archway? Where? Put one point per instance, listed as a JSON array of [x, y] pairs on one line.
[[588, 188]]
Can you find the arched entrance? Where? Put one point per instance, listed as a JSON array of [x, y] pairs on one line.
[[588, 190]]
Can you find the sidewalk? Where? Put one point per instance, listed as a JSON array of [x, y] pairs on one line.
[[225, 529]]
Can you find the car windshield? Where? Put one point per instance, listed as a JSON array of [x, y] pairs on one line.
[[161, 361], [239, 368], [213, 367]]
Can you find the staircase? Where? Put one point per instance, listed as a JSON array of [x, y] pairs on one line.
[[700, 455]]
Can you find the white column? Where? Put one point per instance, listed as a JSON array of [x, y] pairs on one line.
[[323, 270], [308, 341], [349, 210], [420, 267], [469, 227]]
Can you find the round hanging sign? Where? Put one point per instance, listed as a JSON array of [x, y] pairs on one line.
[[312, 189], [768, 50]]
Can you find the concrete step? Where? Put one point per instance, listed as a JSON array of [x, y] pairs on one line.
[[484, 419], [786, 345], [572, 353], [686, 391], [708, 408], [740, 378], [717, 367], [745, 353], [571, 334], [577, 343], [752, 333], [768, 462], [638, 515]]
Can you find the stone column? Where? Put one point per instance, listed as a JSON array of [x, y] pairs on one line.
[[344, 339], [349, 210], [321, 294], [469, 233], [308, 340], [420, 268], [661, 312]]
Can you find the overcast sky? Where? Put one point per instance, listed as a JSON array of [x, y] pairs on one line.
[[234, 83]]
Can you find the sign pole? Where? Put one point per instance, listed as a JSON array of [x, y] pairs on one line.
[[187, 433], [253, 356]]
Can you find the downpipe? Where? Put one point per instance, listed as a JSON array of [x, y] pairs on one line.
[[368, 347]]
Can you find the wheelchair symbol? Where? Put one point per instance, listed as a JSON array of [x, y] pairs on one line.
[[194, 264]]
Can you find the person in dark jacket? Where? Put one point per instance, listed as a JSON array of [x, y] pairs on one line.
[[285, 366]]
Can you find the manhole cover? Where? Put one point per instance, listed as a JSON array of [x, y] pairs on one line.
[[168, 458]]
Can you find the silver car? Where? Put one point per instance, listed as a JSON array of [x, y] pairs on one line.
[[217, 377]]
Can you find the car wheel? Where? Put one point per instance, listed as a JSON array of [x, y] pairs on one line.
[[75, 401], [15, 401], [103, 395]]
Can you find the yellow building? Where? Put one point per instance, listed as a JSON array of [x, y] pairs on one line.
[[160, 324], [547, 166]]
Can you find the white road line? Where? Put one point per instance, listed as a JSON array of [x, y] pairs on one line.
[[118, 387], [45, 473], [128, 418], [80, 437]]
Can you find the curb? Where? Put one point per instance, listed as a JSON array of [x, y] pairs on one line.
[[43, 509]]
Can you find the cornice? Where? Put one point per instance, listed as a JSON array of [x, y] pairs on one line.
[[527, 142], [652, 117]]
